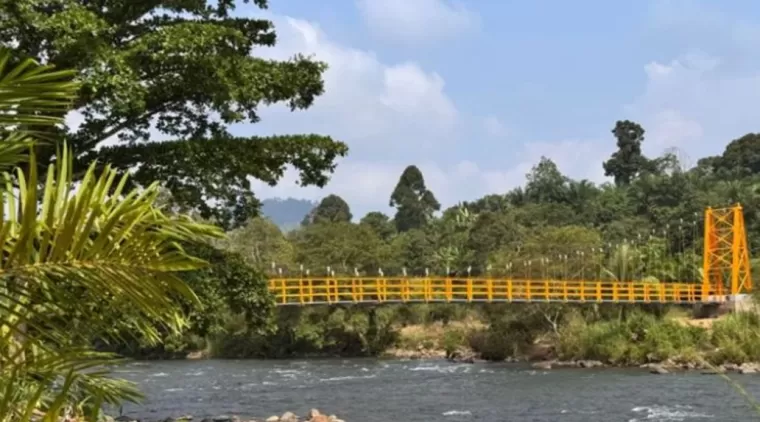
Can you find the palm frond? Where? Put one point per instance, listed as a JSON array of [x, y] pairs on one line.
[[32, 94], [69, 250], [95, 239]]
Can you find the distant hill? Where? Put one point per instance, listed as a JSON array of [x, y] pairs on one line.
[[286, 213]]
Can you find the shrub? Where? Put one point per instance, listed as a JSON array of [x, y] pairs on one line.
[[736, 338]]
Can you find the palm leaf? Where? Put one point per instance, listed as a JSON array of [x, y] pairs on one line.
[[84, 244], [32, 94], [95, 239]]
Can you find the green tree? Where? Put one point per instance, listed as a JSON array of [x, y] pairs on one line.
[[489, 233], [546, 184], [341, 246], [741, 158], [227, 285], [331, 209], [414, 203], [260, 242], [379, 223], [628, 161], [414, 251], [182, 71]]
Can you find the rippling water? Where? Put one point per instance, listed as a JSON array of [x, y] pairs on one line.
[[361, 390]]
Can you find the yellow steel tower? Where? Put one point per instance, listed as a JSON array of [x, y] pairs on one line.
[[726, 254]]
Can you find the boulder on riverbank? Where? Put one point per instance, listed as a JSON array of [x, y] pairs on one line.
[[421, 353], [549, 364], [314, 415], [463, 355]]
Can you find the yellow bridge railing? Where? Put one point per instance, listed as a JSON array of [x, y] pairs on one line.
[[315, 291]]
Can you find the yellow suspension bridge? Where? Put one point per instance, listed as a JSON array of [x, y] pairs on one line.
[[725, 271]]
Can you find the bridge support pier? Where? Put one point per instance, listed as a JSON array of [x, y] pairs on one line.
[[732, 303]]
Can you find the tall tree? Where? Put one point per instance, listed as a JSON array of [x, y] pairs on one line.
[[628, 161], [741, 157], [546, 184], [414, 203], [332, 209], [181, 71]]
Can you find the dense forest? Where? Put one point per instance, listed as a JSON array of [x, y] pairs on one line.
[[646, 223]]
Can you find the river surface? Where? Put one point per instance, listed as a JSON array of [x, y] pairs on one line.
[[361, 390]]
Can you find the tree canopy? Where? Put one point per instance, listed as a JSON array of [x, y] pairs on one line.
[[180, 73], [414, 203], [331, 209], [628, 161]]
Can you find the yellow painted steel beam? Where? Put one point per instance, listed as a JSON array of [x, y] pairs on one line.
[[373, 290]]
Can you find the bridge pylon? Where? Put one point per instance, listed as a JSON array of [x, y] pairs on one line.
[[726, 265]]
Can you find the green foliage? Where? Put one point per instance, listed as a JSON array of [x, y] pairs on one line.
[[228, 284], [628, 161], [647, 228], [332, 209], [183, 72], [414, 203], [637, 339], [227, 289], [380, 224], [313, 331], [341, 246], [736, 338], [71, 251], [261, 243]]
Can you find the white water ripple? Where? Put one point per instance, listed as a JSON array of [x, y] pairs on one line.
[[457, 413], [675, 413]]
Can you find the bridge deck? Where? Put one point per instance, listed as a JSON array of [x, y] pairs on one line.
[[316, 291]]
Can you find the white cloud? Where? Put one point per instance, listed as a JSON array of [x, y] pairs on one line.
[[416, 21], [696, 103], [409, 91], [494, 127], [393, 115], [374, 106], [669, 128]]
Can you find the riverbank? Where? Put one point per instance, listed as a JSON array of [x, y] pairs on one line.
[[314, 415], [730, 343], [563, 337]]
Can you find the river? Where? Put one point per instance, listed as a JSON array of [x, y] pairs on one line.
[[365, 390]]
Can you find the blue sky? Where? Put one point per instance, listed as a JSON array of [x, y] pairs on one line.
[[475, 92]]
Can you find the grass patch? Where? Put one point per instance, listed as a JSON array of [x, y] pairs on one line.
[[639, 338], [736, 339]]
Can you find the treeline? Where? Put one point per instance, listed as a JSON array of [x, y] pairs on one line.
[[647, 224]]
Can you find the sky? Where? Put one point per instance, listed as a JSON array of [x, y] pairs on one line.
[[475, 92]]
